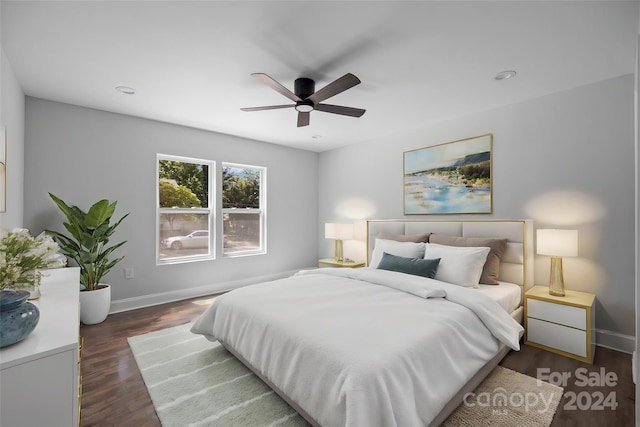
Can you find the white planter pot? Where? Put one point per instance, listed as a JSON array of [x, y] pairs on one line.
[[94, 305]]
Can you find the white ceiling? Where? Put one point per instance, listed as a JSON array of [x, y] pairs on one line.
[[419, 62]]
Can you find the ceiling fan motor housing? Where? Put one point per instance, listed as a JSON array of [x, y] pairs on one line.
[[304, 87]]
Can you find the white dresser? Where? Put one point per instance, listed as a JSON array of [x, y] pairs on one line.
[[40, 376], [564, 325]]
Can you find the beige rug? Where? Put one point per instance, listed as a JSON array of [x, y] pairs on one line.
[[508, 398], [195, 382]]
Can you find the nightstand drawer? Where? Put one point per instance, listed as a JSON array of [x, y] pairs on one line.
[[563, 314], [557, 336]]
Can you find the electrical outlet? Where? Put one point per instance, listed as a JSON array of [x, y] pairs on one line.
[[128, 273]]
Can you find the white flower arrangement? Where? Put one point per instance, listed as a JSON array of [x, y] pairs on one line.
[[22, 256]]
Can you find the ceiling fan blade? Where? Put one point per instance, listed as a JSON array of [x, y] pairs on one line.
[[276, 86], [339, 109], [303, 119], [337, 86], [268, 107]]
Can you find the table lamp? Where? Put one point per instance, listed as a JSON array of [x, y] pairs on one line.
[[557, 244], [339, 232]]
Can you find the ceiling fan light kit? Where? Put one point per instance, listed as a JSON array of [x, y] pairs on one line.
[[304, 106], [307, 99]]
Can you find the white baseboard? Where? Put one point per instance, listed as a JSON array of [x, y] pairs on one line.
[[182, 294], [615, 341]]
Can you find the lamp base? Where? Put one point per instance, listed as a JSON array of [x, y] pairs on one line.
[[556, 279], [337, 251]]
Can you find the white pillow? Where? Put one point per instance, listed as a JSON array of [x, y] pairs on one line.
[[458, 265], [403, 249]]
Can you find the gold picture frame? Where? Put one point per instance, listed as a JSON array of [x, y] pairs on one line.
[[3, 169], [449, 178]]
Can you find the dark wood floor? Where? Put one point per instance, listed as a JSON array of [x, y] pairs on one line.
[[115, 395], [530, 360], [113, 392]]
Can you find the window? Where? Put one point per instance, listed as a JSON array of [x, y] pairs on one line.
[[184, 209], [243, 209]]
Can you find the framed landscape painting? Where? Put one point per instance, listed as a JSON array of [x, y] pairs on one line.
[[449, 178]]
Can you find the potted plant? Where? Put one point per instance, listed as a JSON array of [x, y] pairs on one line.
[[88, 246]]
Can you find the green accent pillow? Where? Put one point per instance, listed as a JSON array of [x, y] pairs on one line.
[[415, 266]]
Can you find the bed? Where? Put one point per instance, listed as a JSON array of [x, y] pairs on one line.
[[380, 347]]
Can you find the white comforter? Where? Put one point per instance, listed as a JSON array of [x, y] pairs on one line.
[[362, 347]]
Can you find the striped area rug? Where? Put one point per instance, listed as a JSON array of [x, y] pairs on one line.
[[196, 382]]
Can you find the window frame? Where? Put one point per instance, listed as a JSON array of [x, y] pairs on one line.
[[262, 210], [210, 210]]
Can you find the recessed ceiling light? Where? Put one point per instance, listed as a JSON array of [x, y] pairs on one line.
[[126, 90], [505, 75]]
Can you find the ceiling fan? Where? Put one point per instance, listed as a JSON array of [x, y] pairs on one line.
[[307, 99]]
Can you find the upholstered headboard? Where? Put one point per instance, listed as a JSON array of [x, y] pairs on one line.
[[516, 265]]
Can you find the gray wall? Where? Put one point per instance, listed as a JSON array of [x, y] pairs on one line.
[[565, 160], [12, 117], [83, 155]]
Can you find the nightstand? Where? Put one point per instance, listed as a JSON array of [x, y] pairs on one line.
[[330, 262], [563, 325]]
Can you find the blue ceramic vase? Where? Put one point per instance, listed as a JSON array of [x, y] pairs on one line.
[[18, 318]]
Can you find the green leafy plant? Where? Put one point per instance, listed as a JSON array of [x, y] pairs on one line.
[[88, 243]]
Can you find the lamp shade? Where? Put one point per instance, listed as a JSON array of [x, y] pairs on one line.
[[558, 243], [338, 231]]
